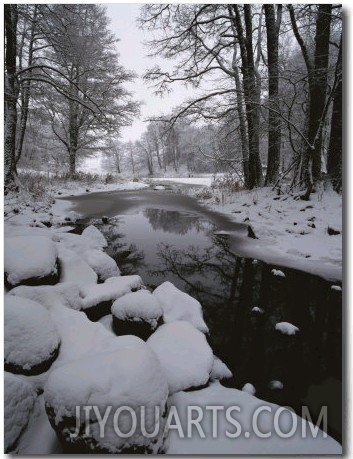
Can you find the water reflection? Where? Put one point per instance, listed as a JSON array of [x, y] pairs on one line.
[[165, 245], [173, 221]]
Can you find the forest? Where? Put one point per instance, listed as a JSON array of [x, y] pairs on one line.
[[266, 81]]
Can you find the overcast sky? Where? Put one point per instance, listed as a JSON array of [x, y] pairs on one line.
[[133, 56]]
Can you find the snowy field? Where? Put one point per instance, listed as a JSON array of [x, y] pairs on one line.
[[78, 333]]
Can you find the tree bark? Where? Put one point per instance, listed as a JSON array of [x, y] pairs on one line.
[[11, 95], [25, 93], [319, 87], [250, 92], [274, 120], [334, 159]]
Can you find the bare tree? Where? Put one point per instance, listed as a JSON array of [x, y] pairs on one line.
[[317, 71], [274, 120], [11, 94], [334, 160]]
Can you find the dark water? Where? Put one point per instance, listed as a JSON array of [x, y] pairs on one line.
[[182, 246]]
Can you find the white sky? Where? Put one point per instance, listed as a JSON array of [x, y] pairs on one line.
[[133, 56]]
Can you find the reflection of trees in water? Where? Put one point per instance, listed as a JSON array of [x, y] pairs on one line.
[[127, 256], [174, 222], [229, 287], [206, 273]]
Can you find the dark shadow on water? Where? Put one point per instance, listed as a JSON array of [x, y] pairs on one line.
[[165, 245]]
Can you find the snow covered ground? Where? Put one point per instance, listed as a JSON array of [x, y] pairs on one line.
[[291, 232]]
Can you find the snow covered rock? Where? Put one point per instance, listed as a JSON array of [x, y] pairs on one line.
[[30, 260], [80, 337], [66, 294], [184, 353], [101, 263], [128, 376], [286, 328], [219, 370], [275, 385], [95, 237], [338, 288], [249, 389], [19, 398], [75, 242], [31, 341], [178, 305], [97, 299], [278, 273], [137, 313], [74, 268], [107, 322]]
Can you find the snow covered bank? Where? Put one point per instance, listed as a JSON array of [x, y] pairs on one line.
[[201, 181], [300, 234]]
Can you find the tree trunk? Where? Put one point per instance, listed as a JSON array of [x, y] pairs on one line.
[[73, 132], [250, 92], [334, 159], [25, 95], [318, 88], [11, 94], [274, 120], [242, 123]]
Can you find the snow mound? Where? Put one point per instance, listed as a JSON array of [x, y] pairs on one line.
[[286, 328], [219, 370], [184, 353], [101, 263], [95, 237], [136, 313], [31, 340], [138, 305], [75, 242], [275, 385], [91, 338], [112, 289], [65, 294], [278, 273], [249, 389], [178, 305], [74, 268], [245, 444], [336, 287], [19, 398], [130, 375], [28, 258], [107, 322]]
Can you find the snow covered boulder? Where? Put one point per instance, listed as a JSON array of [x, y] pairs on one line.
[[184, 353], [19, 398], [101, 263], [97, 299], [178, 305], [31, 341], [74, 268], [128, 376], [95, 237], [220, 370], [286, 328], [30, 260], [137, 313], [66, 294]]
